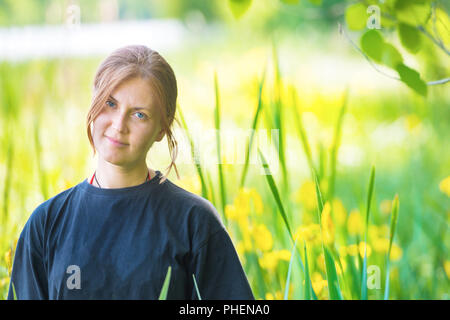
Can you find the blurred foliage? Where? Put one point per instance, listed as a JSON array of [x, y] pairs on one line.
[[43, 104]]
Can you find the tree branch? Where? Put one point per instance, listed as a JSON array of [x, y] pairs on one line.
[[436, 42], [342, 31]]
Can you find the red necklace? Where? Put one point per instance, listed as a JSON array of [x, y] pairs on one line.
[[94, 177]]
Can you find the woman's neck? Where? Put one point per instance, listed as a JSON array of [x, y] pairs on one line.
[[109, 176]]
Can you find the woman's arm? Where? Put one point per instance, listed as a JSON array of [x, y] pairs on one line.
[[218, 270], [29, 275]]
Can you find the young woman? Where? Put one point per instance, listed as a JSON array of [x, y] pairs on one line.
[[114, 235]]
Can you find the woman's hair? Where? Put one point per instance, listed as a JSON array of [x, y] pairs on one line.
[[138, 61]]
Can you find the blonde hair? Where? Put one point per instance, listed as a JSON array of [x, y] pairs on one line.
[[138, 61]]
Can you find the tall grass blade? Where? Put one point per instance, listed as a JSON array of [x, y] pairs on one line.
[[278, 118], [223, 195], [364, 269], [196, 288], [302, 132], [8, 178], [14, 291], [394, 217], [275, 193], [196, 161], [165, 287], [288, 277], [333, 284], [335, 147], [254, 124], [308, 285], [211, 189]]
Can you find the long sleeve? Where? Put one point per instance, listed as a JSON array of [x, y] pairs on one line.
[[218, 270], [28, 273]]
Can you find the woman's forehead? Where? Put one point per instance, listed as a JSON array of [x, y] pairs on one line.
[[134, 92]]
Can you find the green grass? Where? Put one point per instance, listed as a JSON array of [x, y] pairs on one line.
[[34, 167]]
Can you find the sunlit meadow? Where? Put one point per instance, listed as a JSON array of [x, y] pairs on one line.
[[353, 202]]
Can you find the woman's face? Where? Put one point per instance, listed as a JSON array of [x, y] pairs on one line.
[[128, 124]]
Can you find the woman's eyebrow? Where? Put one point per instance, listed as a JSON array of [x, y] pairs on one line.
[[135, 108]]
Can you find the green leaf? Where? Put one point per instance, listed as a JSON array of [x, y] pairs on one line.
[[239, 7], [308, 287], [14, 291], [196, 287], [165, 288], [412, 79], [369, 201], [413, 12], [288, 278], [391, 56], [372, 44], [356, 16], [333, 284], [196, 160], [275, 192], [394, 217], [409, 37], [316, 2], [223, 194], [255, 122]]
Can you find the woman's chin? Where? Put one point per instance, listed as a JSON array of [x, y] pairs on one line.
[[115, 158]]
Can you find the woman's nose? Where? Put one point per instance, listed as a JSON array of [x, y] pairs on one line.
[[119, 122]]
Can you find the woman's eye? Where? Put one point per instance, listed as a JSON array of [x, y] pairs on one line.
[[110, 103], [140, 115]]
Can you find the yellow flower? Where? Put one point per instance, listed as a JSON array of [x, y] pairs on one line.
[[362, 249], [396, 252], [447, 268], [263, 237], [269, 260], [338, 267], [278, 295], [309, 233], [339, 212], [190, 183], [231, 212], [321, 262], [383, 230], [342, 251], [284, 255], [355, 222], [352, 249], [327, 224], [381, 245], [444, 186], [269, 296], [242, 201], [373, 232], [4, 281], [306, 195], [386, 206], [257, 201], [240, 249], [8, 260], [318, 283]]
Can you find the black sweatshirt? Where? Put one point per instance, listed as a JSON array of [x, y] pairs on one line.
[[93, 243]]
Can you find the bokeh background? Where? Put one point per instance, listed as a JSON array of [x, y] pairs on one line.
[[336, 110]]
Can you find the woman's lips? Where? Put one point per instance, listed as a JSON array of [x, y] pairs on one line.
[[115, 142]]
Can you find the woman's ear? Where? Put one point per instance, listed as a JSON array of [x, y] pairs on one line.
[[160, 135]]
